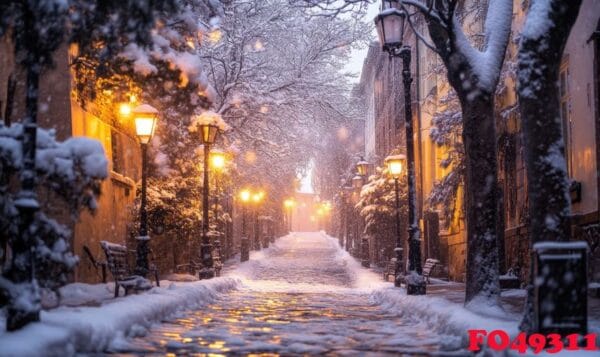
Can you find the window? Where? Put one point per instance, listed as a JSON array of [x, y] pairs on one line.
[[565, 111], [115, 148]]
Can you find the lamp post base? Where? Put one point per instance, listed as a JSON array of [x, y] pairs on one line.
[[244, 250], [142, 266], [217, 260], [398, 269], [416, 289], [256, 245], [207, 271], [415, 284]]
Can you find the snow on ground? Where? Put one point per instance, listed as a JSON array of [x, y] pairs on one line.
[[279, 269], [96, 328], [302, 295]]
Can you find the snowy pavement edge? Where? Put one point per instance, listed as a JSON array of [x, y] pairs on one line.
[[64, 330]]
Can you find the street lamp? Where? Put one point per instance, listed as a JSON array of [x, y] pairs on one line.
[[217, 162], [348, 193], [390, 29], [357, 184], [289, 205], [145, 118], [245, 196], [257, 198], [395, 165], [208, 125], [362, 167]]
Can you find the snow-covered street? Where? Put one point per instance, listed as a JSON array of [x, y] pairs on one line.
[[303, 295]]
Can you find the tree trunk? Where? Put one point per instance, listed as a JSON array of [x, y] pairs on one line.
[[539, 60], [479, 139]]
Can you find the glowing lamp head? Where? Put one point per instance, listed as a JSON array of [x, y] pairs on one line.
[[390, 28], [217, 159], [362, 167], [145, 117], [289, 203], [258, 196], [208, 124], [208, 133], [395, 165], [245, 195]]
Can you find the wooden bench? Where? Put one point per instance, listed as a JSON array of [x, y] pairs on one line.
[[116, 261], [428, 267]]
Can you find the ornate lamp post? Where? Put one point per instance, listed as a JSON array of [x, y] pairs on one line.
[[349, 191], [145, 118], [395, 166], [327, 208], [362, 167], [245, 196], [217, 162], [289, 204], [207, 125], [342, 210], [257, 198], [357, 184], [390, 29]]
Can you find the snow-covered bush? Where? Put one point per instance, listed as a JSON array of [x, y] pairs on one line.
[[69, 173], [377, 206]]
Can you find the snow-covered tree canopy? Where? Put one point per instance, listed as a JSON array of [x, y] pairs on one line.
[[276, 76], [377, 204]]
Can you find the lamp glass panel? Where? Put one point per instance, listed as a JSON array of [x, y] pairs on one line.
[[208, 133], [362, 168], [393, 26], [144, 128], [395, 167]]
